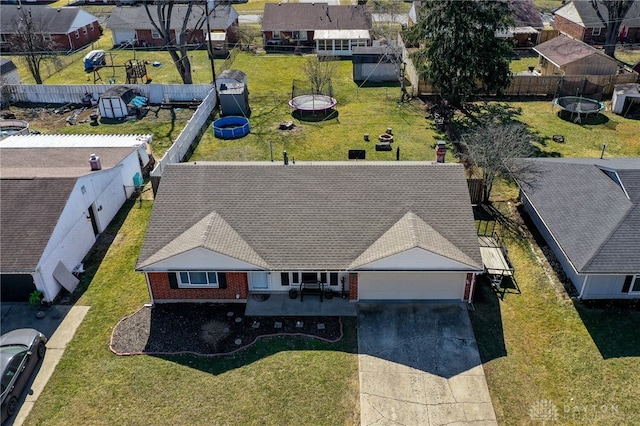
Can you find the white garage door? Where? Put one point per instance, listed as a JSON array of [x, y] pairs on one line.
[[411, 286]]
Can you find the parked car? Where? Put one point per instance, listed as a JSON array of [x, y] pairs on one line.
[[20, 352]]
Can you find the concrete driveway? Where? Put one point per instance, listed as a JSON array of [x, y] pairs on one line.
[[419, 365]]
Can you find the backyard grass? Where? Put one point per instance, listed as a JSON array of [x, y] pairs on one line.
[[277, 381], [544, 355]]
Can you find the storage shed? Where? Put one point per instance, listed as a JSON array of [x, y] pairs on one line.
[[233, 92], [376, 64], [625, 96], [114, 103]]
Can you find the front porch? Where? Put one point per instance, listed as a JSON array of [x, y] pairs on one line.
[[280, 304]]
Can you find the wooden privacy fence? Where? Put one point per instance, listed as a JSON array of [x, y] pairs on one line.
[[521, 85], [475, 190]]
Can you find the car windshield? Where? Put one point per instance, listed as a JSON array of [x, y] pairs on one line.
[[12, 349]]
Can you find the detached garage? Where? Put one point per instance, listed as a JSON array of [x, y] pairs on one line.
[[378, 230]]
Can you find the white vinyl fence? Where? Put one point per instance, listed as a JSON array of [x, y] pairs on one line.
[[190, 134], [66, 93]]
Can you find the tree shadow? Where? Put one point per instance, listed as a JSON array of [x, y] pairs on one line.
[[613, 326]]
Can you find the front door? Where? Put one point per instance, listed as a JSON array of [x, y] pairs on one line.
[[259, 281]]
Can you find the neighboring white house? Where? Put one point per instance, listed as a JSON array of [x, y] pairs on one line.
[[55, 202], [388, 230], [588, 211]]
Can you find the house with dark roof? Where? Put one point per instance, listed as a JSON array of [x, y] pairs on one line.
[[579, 19], [57, 196], [131, 26], [528, 23], [384, 231], [330, 30], [66, 28], [563, 55], [8, 72], [588, 211]]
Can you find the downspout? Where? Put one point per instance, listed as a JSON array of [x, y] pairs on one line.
[[584, 286], [473, 286], [146, 277]]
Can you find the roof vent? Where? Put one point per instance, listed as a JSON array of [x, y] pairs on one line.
[[94, 162]]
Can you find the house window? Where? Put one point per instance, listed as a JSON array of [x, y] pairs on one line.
[[84, 30], [155, 33], [91, 27], [324, 45], [77, 33], [631, 284], [46, 37], [284, 278], [333, 278], [595, 31], [295, 277], [198, 279], [276, 35]]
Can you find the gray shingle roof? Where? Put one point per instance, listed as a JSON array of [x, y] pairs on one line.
[[321, 216], [526, 14], [56, 162], [588, 212], [315, 16], [563, 50], [136, 18], [29, 213], [47, 20]]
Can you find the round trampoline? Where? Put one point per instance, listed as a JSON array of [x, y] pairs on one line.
[[231, 127], [312, 102], [578, 106]]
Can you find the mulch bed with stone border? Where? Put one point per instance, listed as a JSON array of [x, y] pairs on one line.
[[207, 329]]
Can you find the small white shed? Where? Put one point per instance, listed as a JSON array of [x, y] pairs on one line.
[[624, 96], [114, 103]]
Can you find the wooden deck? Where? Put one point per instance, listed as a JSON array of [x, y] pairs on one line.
[[494, 256]]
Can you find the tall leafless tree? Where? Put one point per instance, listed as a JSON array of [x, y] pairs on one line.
[[616, 11], [492, 146], [162, 15], [33, 46]]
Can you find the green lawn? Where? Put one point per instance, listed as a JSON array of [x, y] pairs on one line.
[[535, 345], [261, 385], [361, 110], [540, 346]]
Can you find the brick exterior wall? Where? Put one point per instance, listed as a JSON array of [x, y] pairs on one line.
[[65, 42], [237, 283], [567, 27], [353, 286]]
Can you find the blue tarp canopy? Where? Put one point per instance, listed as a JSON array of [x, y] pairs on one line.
[[94, 60]]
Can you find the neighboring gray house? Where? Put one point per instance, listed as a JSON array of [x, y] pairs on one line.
[[588, 211], [8, 72], [388, 230]]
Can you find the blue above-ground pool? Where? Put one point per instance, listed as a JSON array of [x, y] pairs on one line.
[[231, 127]]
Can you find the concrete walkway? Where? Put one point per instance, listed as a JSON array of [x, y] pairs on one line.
[[419, 365], [55, 348]]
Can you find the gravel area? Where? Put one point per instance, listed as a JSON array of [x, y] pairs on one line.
[[209, 329]]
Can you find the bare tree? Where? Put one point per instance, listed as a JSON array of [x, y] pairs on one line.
[[492, 146], [250, 36], [34, 46], [319, 72], [616, 11], [178, 22]]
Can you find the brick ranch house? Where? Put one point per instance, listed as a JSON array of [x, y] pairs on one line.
[[579, 20], [67, 28], [130, 25], [386, 231]]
